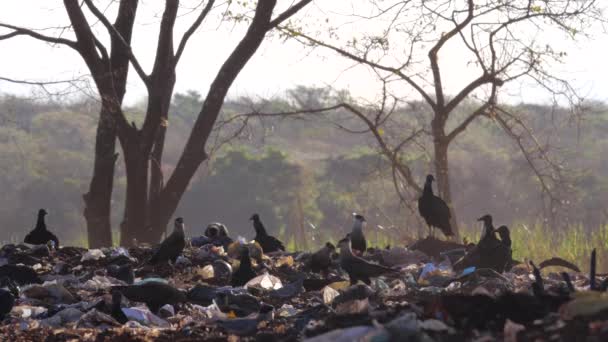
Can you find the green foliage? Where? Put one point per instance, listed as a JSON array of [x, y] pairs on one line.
[[306, 177]]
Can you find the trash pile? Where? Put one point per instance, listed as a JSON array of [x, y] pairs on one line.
[[73, 293]]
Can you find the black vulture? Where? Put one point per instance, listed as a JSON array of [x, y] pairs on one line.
[[357, 239], [245, 272], [121, 272], [172, 246], [268, 243], [40, 235], [490, 252], [7, 297], [116, 312], [20, 274], [6, 303], [247, 326], [434, 210], [358, 268], [217, 233], [504, 251], [488, 234], [153, 292], [320, 261]]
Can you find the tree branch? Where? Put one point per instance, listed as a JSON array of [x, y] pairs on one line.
[[289, 13], [197, 23], [115, 34], [355, 58], [435, 51], [21, 31]]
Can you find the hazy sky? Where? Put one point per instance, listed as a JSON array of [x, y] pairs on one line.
[[277, 65]]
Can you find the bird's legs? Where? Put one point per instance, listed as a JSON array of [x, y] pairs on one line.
[[430, 230]]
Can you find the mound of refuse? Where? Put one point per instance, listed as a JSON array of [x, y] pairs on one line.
[[73, 293]]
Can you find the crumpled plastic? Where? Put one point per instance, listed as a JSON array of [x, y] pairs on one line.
[[284, 261], [212, 311], [99, 283], [93, 254], [286, 310], [27, 311], [206, 272], [62, 317], [356, 333], [49, 292], [329, 295], [435, 274], [145, 317], [96, 319], [265, 281], [119, 251]]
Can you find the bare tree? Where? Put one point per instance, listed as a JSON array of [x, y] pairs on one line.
[[150, 201], [500, 44]]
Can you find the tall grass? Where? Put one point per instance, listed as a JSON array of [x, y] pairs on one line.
[[529, 242], [574, 244]]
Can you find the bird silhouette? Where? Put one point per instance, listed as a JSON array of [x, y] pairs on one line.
[[6, 303], [490, 252], [172, 246], [121, 272], [268, 243], [488, 235], [154, 293], [20, 274], [320, 261], [245, 272], [117, 312], [40, 235], [434, 210], [217, 233], [358, 268], [249, 325], [357, 239], [504, 252], [7, 297]]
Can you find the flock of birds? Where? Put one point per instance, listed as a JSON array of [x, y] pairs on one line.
[[490, 252]]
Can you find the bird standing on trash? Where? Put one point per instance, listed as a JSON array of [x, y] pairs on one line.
[[172, 246], [268, 243], [504, 252], [40, 235], [7, 297], [357, 239], [358, 268], [155, 293], [217, 233], [320, 261], [20, 274], [490, 252], [249, 325], [434, 210], [245, 272], [117, 312]]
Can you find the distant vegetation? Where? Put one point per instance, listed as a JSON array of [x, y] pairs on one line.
[[306, 176]]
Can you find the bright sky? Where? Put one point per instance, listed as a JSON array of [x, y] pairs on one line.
[[278, 65]]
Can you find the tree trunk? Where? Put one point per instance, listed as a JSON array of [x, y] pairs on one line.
[[135, 227], [441, 145], [97, 200]]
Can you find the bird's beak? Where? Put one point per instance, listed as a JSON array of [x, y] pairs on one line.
[[480, 219]]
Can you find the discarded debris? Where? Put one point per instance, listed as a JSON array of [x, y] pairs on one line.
[[88, 295]]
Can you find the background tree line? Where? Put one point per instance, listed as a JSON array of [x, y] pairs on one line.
[[303, 174]]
